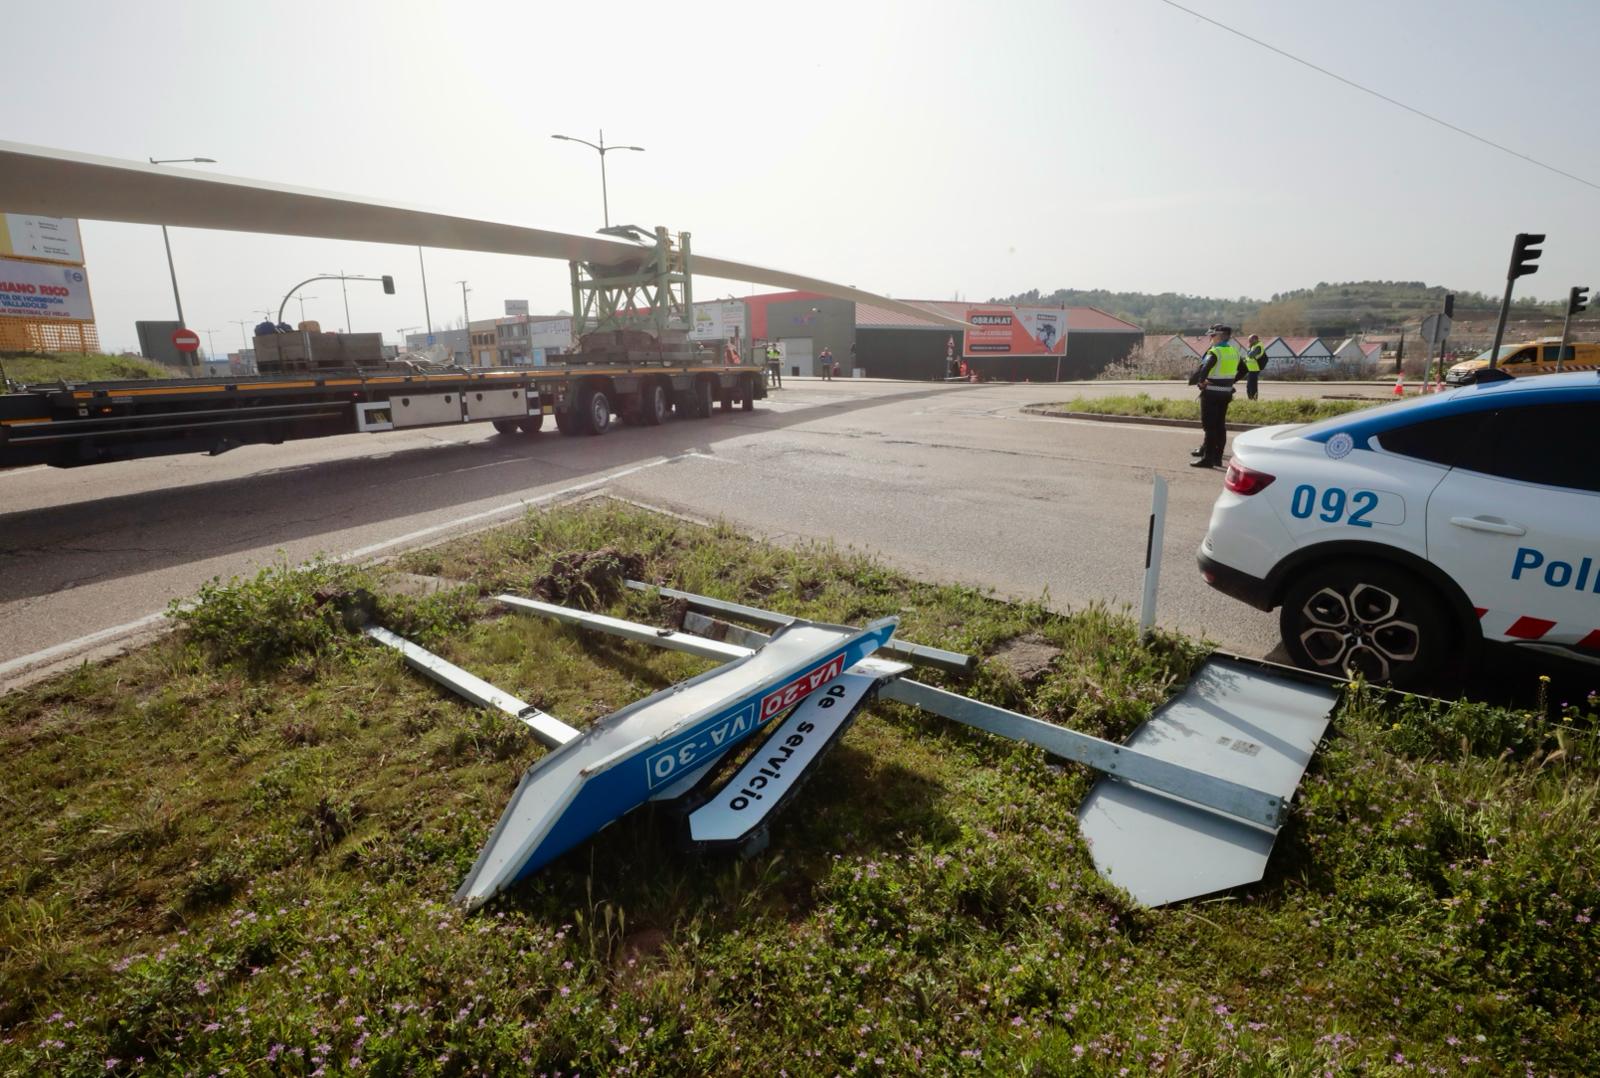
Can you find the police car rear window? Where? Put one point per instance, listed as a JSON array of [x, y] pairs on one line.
[[1443, 440], [1555, 445]]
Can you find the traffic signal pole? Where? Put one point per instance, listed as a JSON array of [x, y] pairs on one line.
[[1525, 252], [1577, 300]]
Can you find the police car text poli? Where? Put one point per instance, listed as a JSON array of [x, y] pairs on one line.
[[1397, 539]]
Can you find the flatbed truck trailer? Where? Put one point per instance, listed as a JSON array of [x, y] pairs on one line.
[[68, 424]]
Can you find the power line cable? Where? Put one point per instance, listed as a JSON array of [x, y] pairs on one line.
[[1381, 96]]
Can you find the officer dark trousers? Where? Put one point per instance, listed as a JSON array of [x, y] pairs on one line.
[[1214, 419], [1250, 380]]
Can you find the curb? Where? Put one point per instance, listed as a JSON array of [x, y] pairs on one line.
[[1147, 420]]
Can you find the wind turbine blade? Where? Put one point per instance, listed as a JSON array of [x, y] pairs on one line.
[[60, 183]]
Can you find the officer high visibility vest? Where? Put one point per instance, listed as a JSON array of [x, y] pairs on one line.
[[1253, 358], [1226, 368]]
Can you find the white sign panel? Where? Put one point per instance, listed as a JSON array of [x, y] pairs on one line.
[[718, 320], [551, 334], [774, 769], [44, 293], [55, 238], [515, 307]]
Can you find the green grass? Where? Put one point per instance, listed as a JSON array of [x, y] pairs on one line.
[[1299, 410], [233, 851], [92, 368]]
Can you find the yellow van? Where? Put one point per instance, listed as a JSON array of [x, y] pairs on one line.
[[1530, 357]]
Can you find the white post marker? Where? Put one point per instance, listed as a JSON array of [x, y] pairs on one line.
[[1152, 557]]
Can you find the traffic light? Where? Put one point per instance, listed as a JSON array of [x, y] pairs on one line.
[[1525, 254], [1577, 300], [388, 285], [1450, 305]]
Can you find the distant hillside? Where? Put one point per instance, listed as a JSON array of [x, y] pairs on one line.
[[1328, 309]]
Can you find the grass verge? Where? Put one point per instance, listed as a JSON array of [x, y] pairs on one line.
[[232, 852], [73, 368], [1265, 412]]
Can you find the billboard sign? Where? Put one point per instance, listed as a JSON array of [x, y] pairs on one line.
[[53, 239], [718, 320], [515, 307], [44, 293], [1016, 331]]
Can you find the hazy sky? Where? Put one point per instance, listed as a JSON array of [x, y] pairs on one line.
[[918, 149]]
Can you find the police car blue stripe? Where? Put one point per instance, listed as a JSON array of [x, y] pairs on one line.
[[1363, 426]]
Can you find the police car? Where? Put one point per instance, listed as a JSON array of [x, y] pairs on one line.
[[1397, 539]]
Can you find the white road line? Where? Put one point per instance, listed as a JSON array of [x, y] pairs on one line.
[[422, 533], [81, 643], [102, 636]]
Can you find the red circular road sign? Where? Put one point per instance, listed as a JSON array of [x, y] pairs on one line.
[[185, 340]]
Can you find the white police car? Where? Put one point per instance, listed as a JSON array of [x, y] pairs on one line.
[[1397, 539]]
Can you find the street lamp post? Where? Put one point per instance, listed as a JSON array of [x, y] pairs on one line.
[[466, 319], [302, 300], [244, 340], [602, 149], [166, 240], [211, 344]]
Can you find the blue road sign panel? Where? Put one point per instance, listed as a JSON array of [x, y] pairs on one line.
[[625, 758]]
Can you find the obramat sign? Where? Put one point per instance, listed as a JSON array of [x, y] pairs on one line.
[[44, 293], [1016, 331]]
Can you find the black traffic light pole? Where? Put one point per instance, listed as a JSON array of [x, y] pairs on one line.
[[1525, 252], [1577, 300], [388, 287]]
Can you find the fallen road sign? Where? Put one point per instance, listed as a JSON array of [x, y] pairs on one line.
[[1252, 724], [658, 747]]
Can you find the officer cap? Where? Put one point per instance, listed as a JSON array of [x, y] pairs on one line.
[[1226, 331]]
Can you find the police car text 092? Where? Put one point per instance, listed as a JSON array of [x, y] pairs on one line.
[[1397, 539]]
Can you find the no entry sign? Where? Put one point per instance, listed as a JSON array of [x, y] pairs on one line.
[[185, 340]]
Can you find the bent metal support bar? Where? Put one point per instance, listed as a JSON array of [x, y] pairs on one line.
[[954, 662], [550, 731]]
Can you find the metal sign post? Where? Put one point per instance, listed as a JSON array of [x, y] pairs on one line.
[[1152, 557]]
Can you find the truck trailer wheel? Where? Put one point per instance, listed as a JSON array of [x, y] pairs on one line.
[[702, 399], [594, 411], [532, 424], [506, 426], [654, 406], [567, 423], [747, 394]]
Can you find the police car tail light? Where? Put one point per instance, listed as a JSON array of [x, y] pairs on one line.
[[1247, 481]]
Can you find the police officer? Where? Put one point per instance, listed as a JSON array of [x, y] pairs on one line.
[[1255, 361], [774, 365], [1218, 370]]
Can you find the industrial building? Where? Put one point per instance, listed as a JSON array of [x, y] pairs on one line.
[[885, 344]]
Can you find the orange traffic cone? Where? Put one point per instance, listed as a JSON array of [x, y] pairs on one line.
[[1400, 386]]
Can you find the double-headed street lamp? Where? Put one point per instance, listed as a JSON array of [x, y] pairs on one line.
[[165, 239], [602, 149]]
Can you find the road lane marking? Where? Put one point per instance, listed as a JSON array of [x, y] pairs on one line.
[[82, 643], [115, 632]]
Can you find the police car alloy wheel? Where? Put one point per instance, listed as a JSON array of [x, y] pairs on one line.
[[1364, 617]]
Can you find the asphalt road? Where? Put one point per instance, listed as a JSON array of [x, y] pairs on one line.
[[951, 482]]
